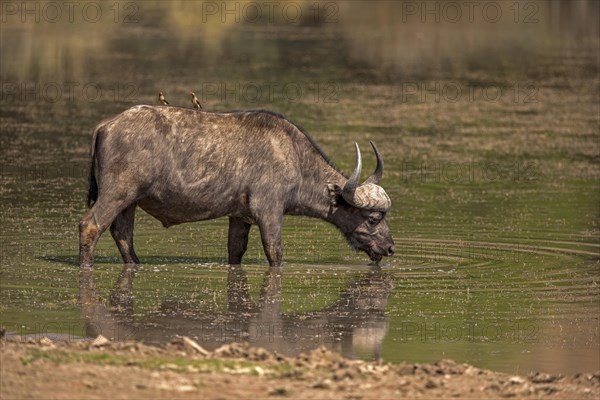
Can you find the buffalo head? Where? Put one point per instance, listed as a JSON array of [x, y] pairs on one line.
[[360, 210]]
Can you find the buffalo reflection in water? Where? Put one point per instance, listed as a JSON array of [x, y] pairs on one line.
[[356, 322]]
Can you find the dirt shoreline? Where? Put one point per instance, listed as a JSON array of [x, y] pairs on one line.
[[182, 369]]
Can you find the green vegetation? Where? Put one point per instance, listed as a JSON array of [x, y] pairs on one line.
[[178, 364]]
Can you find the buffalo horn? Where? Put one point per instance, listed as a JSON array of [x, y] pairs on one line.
[[352, 184], [376, 177]]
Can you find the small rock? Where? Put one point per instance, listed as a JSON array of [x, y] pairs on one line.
[[547, 389], [240, 371], [89, 385], [342, 374], [185, 388], [178, 388], [539, 377], [405, 369], [324, 384], [492, 386], [100, 341], [403, 382], [516, 380], [46, 342], [141, 386], [278, 391], [430, 384], [190, 344]]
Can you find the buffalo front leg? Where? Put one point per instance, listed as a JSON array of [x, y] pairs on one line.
[[270, 233], [122, 231], [237, 241]]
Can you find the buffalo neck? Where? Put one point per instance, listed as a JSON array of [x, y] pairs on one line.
[[312, 198]]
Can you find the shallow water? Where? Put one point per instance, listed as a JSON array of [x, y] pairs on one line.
[[495, 203]]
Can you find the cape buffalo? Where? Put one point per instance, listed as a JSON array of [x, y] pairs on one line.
[[183, 165]]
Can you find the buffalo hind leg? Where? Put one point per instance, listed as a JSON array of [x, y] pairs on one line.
[[237, 241], [270, 233], [93, 224], [122, 231]]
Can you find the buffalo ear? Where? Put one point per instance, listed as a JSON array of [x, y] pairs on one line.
[[335, 191]]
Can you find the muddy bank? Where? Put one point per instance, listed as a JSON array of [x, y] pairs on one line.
[[182, 368]]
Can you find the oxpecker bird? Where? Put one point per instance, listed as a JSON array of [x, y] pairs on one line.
[[195, 101], [162, 99]]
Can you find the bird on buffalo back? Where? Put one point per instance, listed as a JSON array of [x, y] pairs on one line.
[[195, 102], [162, 99]]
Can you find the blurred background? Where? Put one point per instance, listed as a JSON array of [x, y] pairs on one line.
[[487, 115]]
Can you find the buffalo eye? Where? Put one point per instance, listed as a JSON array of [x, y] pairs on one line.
[[374, 218]]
